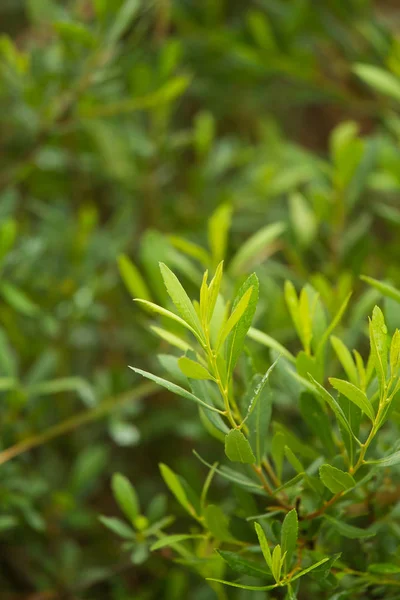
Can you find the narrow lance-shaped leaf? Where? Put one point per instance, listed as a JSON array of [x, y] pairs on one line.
[[236, 339], [213, 290], [174, 484], [125, 495], [175, 389], [345, 358], [355, 395], [395, 354], [289, 535], [180, 298], [263, 544], [254, 247], [218, 228], [166, 313], [276, 563], [332, 326], [242, 566], [171, 338], [132, 278], [384, 288], [234, 317], [378, 340]]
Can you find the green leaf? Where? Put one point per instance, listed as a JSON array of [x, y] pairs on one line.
[[386, 461], [242, 566], [384, 568], [269, 342], [126, 496], [132, 278], [217, 523], [171, 540], [18, 300], [355, 395], [289, 535], [237, 448], [235, 316], [253, 588], [293, 460], [122, 21], [236, 339], [346, 359], [166, 313], [263, 544], [180, 298], [255, 397], [255, 247], [218, 229], [378, 340], [308, 569], [332, 326], [276, 565], [119, 527], [235, 477], [193, 369], [379, 79], [213, 290], [336, 480], [318, 421], [191, 249], [348, 531], [385, 288], [303, 219], [330, 400], [171, 338], [174, 484], [395, 354], [259, 419], [175, 389]]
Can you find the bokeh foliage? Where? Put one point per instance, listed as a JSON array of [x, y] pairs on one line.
[[125, 126]]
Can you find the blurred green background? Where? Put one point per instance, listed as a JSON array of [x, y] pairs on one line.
[[125, 124]]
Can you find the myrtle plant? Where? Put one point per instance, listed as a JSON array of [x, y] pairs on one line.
[[309, 504]]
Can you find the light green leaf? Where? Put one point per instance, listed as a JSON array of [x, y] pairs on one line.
[[263, 544], [193, 369], [175, 389], [289, 535], [165, 313], [269, 342], [180, 298], [378, 341], [255, 247], [171, 338], [237, 448], [132, 278], [276, 565], [303, 220], [117, 526], [236, 339], [345, 358], [126, 496], [174, 484], [355, 395], [255, 397], [191, 249], [336, 480], [395, 354], [218, 229], [217, 523], [332, 326], [379, 79], [308, 569], [122, 20], [384, 288], [213, 290], [235, 316], [349, 531]]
